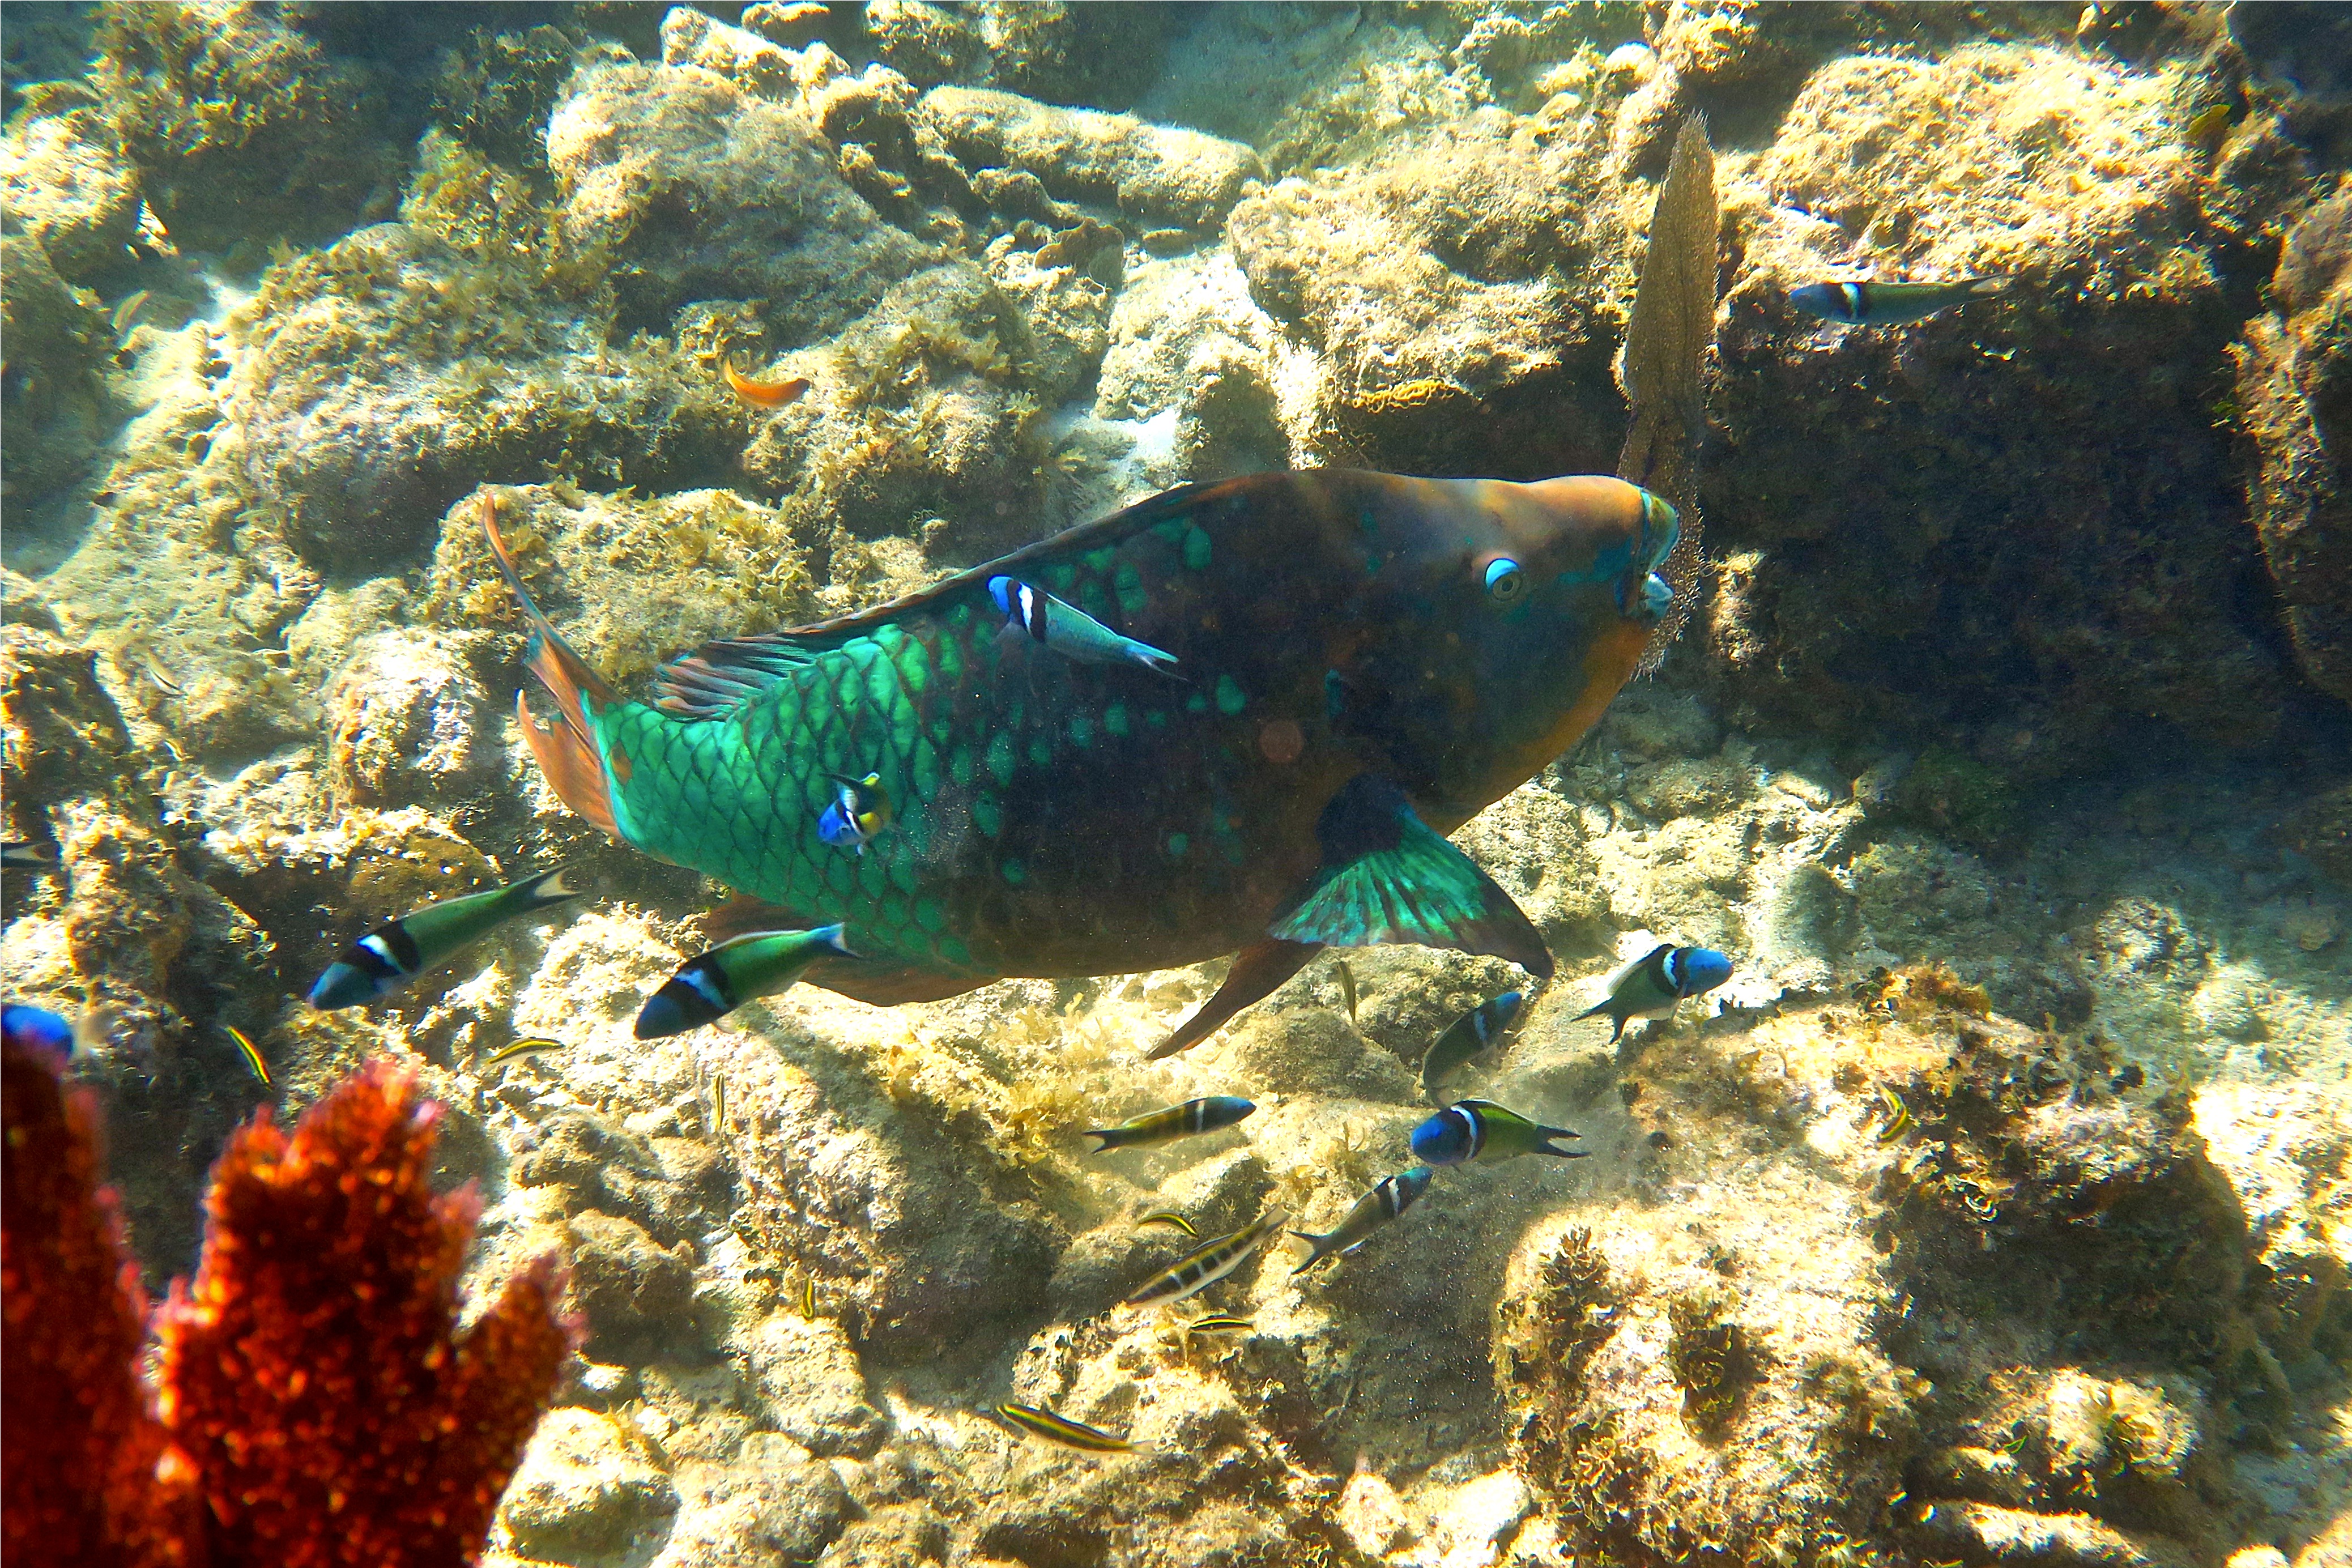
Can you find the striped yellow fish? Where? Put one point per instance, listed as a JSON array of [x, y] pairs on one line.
[[529, 1046], [1895, 1114], [1209, 1265], [1221, 1323], [1043, 1423], [1169, 1219], [253, 1057]]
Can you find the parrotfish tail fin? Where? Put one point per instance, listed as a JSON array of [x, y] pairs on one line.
[[1324, 1250], [1257, 970], [1387, 876], [1543, 1135], [567, 755], [548, 888]]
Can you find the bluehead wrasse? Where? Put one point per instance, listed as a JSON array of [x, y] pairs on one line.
[[1043, 1423], [710, 985], [1481, 1130], [1205, 1115], [1652, 985], [1347, 985], [1865, 304], [1209, 1265], [1070, 631], [1169, 1219], [1896, 1116], [529, 1046], [859, 810], [1465, 1037], [253, 1057], [36, 1028], [401, 950], [760, 393], [24, 855], [1385, 1202]]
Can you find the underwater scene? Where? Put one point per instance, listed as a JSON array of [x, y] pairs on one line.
[[1473, 783]]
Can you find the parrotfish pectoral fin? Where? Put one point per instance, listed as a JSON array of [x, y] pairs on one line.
[[1257, 970], [1387, 876], [567, 756]]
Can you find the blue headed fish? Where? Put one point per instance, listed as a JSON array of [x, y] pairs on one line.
[[1070, 631], [1373, 661], [1864, 304], [1205, 1115], [707, 988], [30, 1028], [399, 951], [1209, 1265], [1652, 985], [1481, 1130], [1391, 1197], [858, 812], [1465, 1037]]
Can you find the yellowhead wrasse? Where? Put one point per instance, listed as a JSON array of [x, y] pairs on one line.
[[762, 394], [1043, 1423], [808, 1296], [1894, 1115], [252, 1053], [529, 1046], [1209, 1265], [1169, 1219]]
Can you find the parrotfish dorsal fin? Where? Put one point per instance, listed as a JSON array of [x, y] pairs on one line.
[[1387, 876]]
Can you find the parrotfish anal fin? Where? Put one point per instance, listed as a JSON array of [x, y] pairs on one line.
[[567, 755], [1387, 876], [878, 982], [1257, 970]]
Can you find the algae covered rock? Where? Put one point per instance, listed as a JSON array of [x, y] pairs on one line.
[[584, 1492], [52, 399], [406, 722], [635, 1294], [68, 185], [1155, 174]]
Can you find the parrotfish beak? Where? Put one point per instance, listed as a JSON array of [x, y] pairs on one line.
[[1441, 1140], [1704, 969], [343, 985]]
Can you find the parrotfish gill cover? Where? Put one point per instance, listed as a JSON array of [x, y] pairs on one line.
[[1059, 818]]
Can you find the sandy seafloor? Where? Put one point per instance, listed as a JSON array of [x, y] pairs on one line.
[[2007, 750]]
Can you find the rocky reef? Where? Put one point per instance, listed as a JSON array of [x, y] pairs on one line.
[[1997, 1211]]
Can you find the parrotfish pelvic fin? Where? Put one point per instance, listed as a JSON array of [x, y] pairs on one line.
[[1257, 970], [566, 756], [1387, 876]]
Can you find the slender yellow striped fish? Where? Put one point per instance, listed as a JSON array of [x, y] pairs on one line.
[[1060, 1429], [1169, 1219], [1896, 1115], [1347, 985], [719, 1106], [252, 1053], [808, 1296], [1209, 1265], [1221, 1323], [530, 1046]]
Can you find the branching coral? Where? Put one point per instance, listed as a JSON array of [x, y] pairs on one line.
[[316, 1398]]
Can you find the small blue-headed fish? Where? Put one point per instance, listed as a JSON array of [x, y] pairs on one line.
[[1070, 631], [1465, 1037], [1867, 304], [1209, 1265], [1193, 1116], [1391, 1197], [860, 809], [30, 1028], [399, 951], [1169, 1219], [251, 1052], [707, 988], [1039, 1422], [1652, 985], [530, 1046], [1481, 1130]]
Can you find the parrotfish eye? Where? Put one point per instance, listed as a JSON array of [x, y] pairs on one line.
[[1505, 581]]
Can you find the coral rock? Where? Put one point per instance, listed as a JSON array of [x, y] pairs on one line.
[[636, 1295], [66, 182], [405, 725], [584, 1492]]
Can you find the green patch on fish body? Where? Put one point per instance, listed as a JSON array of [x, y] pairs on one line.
[[1350, 685]]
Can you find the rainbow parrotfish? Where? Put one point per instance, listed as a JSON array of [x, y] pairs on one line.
[[1343, 667]]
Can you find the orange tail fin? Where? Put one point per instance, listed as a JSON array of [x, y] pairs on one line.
[[567, 754]]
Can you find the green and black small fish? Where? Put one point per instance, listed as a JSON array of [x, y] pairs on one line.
[[1863, 304], [758, 964], [1177, 1121], [1391, 1197], [401, 950], [1209, 1265], [1651, 985], [1465, 1037], [1040, 1422], [1482, 1130]]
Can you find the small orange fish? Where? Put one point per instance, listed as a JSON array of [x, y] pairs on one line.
[[762, 394]]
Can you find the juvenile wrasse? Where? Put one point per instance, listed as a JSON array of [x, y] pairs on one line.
[[1385, 1202], [530, 1046], [1221, 1324], [1347, 985], [252, 1053], [1895, 1117], [1169, 1219], [1054, 1428], [762, 394], [1205, 1115], [1209, 1265]]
